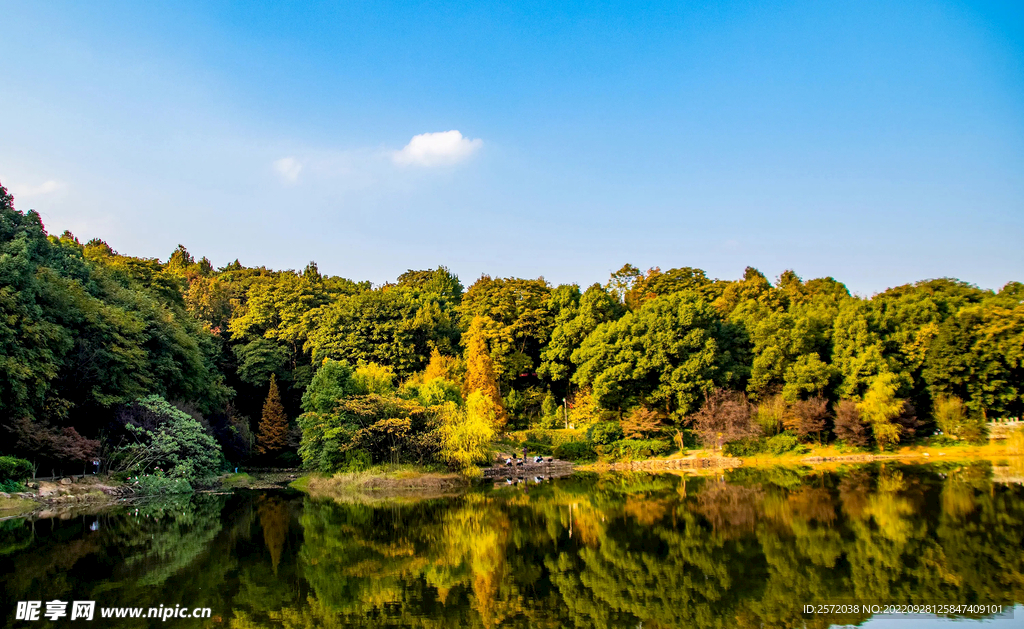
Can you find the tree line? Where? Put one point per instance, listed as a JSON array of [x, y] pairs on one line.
[[265, 362]]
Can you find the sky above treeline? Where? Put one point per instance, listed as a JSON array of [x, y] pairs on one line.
[[876, 142]]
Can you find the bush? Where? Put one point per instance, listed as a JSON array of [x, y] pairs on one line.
[[635, 449], [954, 421], [356, 461], [537, 447], [603, 433], [778, 445], [153, 484], [575, 451], [553, 437], [159, 435], [12, 486], [744, 447], [783, 444], [13, 468]]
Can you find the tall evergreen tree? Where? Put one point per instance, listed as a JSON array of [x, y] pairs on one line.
[[273, 433]]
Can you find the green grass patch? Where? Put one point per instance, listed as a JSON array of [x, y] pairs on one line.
[[241, 479], [301, 483], [16, 506]]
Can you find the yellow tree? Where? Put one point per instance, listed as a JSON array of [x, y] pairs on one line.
[[273, 432], [880, 408], [466, 433], [480, 375]]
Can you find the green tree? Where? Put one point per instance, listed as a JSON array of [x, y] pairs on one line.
[[575, 316], [156, 435], [666, 354], [513, 317]]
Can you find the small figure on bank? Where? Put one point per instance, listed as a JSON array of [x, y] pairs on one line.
[[524, 454]]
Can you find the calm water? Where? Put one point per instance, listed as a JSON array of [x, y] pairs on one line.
[[747, 549]]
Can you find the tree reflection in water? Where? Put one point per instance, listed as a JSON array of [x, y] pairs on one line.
[[745, 550]]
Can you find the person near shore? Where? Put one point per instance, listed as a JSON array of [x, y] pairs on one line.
[[524, 454]]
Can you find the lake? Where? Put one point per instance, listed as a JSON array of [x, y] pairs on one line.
[[745, 548]]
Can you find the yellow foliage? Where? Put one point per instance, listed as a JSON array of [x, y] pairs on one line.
[[480, 375], [880, 407], [1015, 441], [466, 433], [374, 378], [446, 367], [772, 415], [583, 411]]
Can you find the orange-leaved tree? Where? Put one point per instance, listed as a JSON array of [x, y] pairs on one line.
[[480, 375], [273, 432]]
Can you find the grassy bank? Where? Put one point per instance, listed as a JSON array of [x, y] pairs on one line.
[[816, 456]]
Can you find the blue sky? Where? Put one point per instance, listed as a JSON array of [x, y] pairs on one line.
[[879, 143]]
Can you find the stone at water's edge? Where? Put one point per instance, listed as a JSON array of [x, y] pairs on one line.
[[553, 468], [676, 464]]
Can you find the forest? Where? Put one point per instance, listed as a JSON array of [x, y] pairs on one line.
[[183, 368]]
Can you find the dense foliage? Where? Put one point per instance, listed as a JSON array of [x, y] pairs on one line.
[[87, 334]]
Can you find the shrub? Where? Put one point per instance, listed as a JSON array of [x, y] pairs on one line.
[[954, 421], [725, 417], [635, 449], [356, 460], [438, 391], [13, 468], [771, 414], [12, 486], [153, 484], [554, 437], [575, 451], [603, 433], [783, 444], [849, 427], [809, 417], [778, 445], [160, 435], [537, 447], [744, 447]]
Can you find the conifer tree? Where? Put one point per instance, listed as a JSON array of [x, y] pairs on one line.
[[273, 432], [480, 375]]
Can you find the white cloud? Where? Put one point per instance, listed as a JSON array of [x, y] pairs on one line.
[[289, 168], [436, 149], [24, 192]]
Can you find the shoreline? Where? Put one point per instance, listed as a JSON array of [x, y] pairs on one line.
[[88, 492], [818, 457]]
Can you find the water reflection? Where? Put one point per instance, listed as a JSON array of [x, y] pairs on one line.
[[748, 549]]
